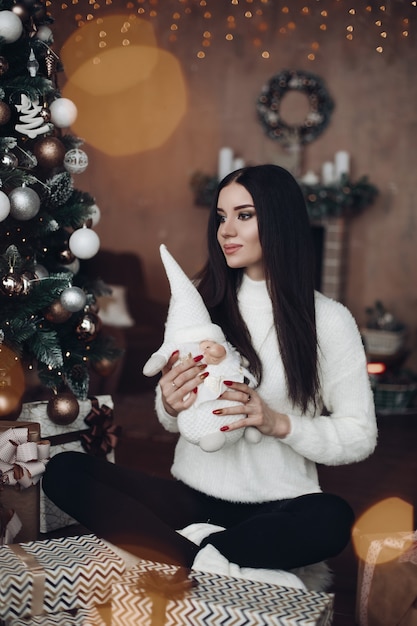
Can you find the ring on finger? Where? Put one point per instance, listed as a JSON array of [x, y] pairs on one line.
[[249, 397], [174, 385]]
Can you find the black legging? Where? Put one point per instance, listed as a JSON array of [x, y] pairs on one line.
[[141, 513]]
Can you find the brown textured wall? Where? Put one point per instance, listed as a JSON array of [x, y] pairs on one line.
[[145, 199]]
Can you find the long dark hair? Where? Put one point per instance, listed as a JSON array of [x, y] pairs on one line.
[[288, 258]]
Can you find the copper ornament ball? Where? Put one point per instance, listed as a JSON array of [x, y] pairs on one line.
[[56, 313], [8, 160], [4, 66], [5, 112], [49, 152], [63, 408], [88, 327], [11, 285], [65, 256], [105, 367]]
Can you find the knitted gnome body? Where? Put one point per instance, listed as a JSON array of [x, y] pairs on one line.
[[188, 326]]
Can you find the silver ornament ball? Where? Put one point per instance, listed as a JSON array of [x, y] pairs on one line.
[[24, 203], [73, 299]]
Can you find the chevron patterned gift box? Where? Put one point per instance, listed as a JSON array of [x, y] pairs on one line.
[[45, 577], [155, 594], [63, 439], [81, 617]]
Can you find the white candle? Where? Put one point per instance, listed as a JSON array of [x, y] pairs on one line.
[[225, 162], [238, 163], [327, 173], [310, 178], [341, 160]]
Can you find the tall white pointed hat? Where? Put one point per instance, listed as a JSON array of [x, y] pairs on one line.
[[188, 320]]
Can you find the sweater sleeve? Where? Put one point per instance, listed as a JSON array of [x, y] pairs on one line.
[[349, 433], [168, 422]]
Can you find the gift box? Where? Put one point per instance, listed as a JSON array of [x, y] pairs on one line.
[[50, 576], [387, 580], [92, 432], [23, 457], [82, 617], [155, 594]]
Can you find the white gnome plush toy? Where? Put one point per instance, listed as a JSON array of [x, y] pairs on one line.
[[190, 330]]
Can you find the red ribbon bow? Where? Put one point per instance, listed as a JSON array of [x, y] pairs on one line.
[[102, 436]]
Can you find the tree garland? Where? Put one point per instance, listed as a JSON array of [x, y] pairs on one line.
[[269, 103]]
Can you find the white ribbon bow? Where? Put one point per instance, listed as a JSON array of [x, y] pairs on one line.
[[22, 462]]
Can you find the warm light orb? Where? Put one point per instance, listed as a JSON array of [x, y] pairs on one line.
[[376, 368], [12, 380], [383, 519], [96, 59], [131, 95]]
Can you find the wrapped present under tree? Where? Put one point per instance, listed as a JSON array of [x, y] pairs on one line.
[[92, 432]]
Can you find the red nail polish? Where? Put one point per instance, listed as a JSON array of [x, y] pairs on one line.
[[223, 428], [203, 375], [229, 383], [195, 390], [198, 358], [175, 353], [217, 411]]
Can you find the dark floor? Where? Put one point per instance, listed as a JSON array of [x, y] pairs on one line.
[[389, 472]]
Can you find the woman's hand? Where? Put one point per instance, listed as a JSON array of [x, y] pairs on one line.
[[179, 384], [259, 414]]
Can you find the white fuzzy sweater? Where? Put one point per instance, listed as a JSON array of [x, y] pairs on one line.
[[284, 468]]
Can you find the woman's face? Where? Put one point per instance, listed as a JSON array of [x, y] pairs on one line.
[[237, 233]]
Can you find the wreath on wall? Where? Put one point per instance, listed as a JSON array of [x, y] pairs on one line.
[[269, 104]]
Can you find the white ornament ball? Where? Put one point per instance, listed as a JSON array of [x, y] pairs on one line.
[[252, 434], [44, 33], [4, 206], [95, 215], [73, 299], [63, 112], [11, 26], [84, 243], [75, 161], [24, 203]]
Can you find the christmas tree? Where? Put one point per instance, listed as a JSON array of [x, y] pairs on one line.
[[49, 319]]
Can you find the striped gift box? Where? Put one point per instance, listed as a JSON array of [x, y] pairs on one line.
[[152, 594], [46, 577]]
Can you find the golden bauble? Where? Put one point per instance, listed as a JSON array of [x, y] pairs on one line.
[[49, 152], [10, 403], [63, 408]]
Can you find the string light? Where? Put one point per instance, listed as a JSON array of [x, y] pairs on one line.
[[256, 21]]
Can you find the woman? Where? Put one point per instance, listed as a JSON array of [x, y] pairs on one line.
[[313, 404]]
